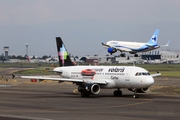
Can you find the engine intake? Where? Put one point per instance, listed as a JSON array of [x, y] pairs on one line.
[[111, 50], [141, 90], [91, 88]]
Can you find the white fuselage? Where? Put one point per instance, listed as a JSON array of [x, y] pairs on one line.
[[115, 76], [133, 47], [125, 44]]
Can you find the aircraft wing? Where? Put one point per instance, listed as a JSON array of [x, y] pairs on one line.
[[120, 48], [66, 79], [155, 75], [124, 49], [105, 44]]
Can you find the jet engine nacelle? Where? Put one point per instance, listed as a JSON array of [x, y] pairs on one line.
[[91, 88], [111, 50], [142, 90]]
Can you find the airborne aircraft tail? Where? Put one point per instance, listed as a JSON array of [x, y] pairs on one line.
[[154, 38], [64, 58]]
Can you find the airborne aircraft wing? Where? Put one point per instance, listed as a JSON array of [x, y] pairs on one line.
[[66, 79], [120, 48], [105, 44], [124, 49]]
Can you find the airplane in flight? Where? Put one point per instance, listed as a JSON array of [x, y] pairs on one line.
[[91, 79], [133, 47]]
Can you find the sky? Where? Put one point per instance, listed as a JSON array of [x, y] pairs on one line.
[[83, 24]]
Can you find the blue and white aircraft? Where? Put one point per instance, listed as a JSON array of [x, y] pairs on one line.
[[133, 47]]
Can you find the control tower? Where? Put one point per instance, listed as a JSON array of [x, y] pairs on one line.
[[6, 50]]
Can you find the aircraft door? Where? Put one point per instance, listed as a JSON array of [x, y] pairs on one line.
[[127, 80]]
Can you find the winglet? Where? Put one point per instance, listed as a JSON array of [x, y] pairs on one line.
[[166, 44], [104, 44]]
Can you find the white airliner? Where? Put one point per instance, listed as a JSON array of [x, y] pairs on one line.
[[91, 79], [133, 47]]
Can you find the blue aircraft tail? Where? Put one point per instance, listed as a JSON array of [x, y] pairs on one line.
[[154, 38]]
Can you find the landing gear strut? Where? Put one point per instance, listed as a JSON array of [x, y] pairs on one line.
[[117, 92], [135, 94], [123, 55], [135, 55]]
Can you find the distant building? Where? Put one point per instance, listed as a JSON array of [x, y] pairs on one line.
[[6, 50], [161, 56]]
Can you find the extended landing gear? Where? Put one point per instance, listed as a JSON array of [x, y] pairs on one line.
[[85, 94], [135, 55], [117, 92], [135, 94], [123, 55]]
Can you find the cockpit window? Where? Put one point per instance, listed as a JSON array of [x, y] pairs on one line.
[[142, 74]]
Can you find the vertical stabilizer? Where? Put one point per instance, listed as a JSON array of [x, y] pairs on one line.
[[154, 38], [64, 58]]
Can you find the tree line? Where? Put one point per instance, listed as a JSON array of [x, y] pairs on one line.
[[20, 57]]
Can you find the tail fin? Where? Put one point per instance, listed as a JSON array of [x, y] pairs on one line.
[[64, 58], [154, 38]]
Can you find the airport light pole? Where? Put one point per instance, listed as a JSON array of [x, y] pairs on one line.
[[26, 49]]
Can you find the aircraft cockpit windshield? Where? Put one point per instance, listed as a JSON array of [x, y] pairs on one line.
[[142, 74]]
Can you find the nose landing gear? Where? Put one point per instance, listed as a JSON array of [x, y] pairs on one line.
[[135, 94]]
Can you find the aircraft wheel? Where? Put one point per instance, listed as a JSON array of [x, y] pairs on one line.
[[87, 95], [135, 96], [119, 93], [83, 94], [115, 93], [135, 55], [123, 55]]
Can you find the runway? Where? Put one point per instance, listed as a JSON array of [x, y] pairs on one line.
[[55, 101]]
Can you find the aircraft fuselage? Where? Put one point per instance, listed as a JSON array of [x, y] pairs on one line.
[[115, 76]]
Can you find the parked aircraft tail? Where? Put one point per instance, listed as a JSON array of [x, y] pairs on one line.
[[64, 58], [154, 38]]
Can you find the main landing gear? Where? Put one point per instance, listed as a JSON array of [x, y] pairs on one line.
[[85, 94], [135, 55], [123, 55], [117, 92]]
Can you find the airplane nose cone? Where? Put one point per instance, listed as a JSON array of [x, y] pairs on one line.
[[149, 81]]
